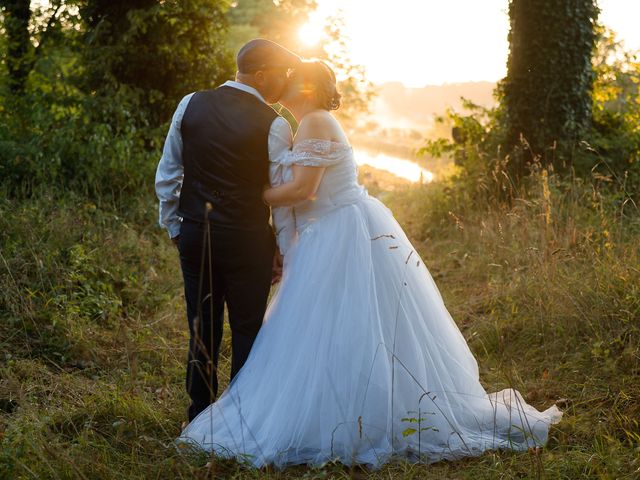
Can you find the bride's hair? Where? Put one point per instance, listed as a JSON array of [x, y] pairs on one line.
[[322, 80]]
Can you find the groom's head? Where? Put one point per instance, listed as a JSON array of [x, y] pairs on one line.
[[264, 65]]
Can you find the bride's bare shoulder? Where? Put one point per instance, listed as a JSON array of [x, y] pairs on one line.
[[318, 118], [319, 124]]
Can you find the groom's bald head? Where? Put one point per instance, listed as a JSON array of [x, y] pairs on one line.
[[261, 54], [264, 65]]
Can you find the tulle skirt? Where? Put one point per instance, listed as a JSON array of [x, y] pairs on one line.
[[359, 361]]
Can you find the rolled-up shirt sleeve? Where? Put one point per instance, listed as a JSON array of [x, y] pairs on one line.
[[280, 138], [170, 173]]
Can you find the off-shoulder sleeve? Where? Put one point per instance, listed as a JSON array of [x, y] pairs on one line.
[[313, 152]]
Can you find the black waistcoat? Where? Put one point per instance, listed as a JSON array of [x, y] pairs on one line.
[[225, 135]]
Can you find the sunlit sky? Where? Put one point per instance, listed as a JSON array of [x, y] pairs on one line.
[[430, 42]]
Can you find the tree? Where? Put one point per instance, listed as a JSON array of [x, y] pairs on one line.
[[155, 51], [615, 141], [547, 91], [277, 20], [19, 20], [17, 14]]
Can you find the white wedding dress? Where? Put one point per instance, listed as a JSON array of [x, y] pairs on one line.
[[358, 359]]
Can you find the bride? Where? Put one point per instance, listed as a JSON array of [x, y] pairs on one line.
[[358, 359]]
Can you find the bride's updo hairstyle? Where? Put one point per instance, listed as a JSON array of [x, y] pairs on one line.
[[318, 78]]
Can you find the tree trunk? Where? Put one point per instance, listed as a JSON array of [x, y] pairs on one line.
[[17, 14], [547, 91]]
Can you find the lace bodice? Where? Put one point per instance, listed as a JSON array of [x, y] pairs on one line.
[[339, 185], [313, 152]]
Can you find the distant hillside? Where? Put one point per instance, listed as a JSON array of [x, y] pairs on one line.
[[399, 107]]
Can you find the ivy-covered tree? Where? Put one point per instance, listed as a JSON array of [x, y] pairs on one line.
[[547, 91]]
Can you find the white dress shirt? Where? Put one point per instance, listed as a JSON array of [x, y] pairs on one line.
[[170, 172], [283, 218]]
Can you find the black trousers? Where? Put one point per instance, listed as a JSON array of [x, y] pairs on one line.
[[226, 266]]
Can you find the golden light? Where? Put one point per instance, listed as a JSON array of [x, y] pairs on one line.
[[311, 32], [431, 42]]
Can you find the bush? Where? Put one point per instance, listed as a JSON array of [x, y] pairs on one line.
[[68, 148], [72, 267]]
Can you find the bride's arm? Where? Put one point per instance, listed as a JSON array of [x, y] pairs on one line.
[[303, 187], [306, 179]]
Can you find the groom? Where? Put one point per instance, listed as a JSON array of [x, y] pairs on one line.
[[209, 182]]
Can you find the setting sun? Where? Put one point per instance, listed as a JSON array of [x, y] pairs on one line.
[[311, 32]]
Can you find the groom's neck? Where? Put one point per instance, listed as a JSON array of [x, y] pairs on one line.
[[247, 79]]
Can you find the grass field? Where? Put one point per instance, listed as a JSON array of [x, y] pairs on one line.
[[93, 336]]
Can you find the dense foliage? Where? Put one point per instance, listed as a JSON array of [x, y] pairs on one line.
[[17, 14], [615, 136], [157, 50], [100, 87]]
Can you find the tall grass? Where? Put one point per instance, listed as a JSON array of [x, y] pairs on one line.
[[93, 335], [546, 289]]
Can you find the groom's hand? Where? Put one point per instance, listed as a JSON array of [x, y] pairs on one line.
[[276, 272]]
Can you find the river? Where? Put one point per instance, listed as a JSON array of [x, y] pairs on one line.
[[400, 167]]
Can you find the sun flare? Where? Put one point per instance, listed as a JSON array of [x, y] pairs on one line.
[[311, 33]]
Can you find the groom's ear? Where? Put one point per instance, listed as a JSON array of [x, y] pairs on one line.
[[253, 78], [258, 77]]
